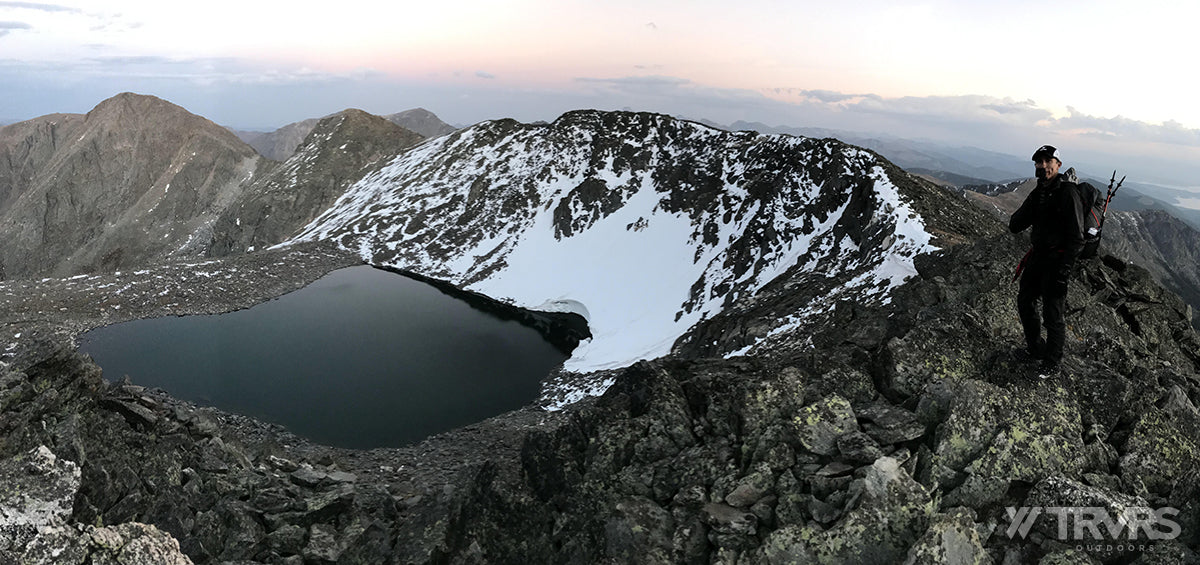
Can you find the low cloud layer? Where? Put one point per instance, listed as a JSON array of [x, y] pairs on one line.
[[8, 27], [40, 7]]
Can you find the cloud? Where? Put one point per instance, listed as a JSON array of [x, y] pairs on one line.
[[7, 27], [1170, 132], [484, 75], [830, 96], [206, 71], [647, 84], [40, 7]]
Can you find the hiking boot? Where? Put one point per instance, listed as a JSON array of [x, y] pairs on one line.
[[1048, 370], [1025, 355], [1031, 354]]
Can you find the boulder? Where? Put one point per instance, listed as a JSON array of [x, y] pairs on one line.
[[892, 513], [131, 543], [992, 435], [818, 425], [889, 424], [1162, 445], [639, 531], [37, 491], [952, 539]]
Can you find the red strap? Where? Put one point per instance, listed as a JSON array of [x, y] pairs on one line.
[[1021, 265]]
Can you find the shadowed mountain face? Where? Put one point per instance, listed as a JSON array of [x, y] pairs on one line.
[[282, 143], [139, 180], [135, 179], [340, 150], [1163, 245]]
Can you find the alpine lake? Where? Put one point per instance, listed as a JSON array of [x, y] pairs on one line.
[[361, 358]]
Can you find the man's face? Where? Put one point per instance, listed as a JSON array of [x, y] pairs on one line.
[[1047, 167]]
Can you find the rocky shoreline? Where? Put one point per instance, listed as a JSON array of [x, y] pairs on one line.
[[136, 434]]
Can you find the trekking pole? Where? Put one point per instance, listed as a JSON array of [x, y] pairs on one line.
[[1112, 191]]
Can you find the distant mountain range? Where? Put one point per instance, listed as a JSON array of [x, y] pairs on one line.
[[964, 166], [139, 179], [282, 143]]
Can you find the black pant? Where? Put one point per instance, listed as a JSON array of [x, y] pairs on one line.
[[1045, 277]]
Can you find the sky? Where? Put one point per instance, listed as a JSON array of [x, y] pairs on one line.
[[1109, 82]]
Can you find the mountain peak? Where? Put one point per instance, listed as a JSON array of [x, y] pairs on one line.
[[421, 121], [703, 218], [129, 103]]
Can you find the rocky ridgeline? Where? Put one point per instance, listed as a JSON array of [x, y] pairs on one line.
[[1165, 245], [139, 180], [899, 430], [896, 434], [281, 144], [1154, 239], [339, 150], [901, 437]]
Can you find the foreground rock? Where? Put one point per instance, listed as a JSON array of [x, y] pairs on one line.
[[918, 441], [35, 510]]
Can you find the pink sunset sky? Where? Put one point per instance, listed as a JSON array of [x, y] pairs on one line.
[[1110, 80]]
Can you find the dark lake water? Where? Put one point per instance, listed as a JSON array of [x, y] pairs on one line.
[[361, 358]]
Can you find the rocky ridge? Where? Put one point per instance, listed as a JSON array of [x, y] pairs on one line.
[[339, 150], [897, 430], [283, 143], [582, 208], [139, 180]]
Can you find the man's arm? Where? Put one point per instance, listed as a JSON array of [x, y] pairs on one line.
[[1023, 217]]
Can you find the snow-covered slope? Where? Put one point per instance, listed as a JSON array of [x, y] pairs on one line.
[[651, 223]]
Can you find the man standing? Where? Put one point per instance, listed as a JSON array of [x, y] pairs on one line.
[[1054, 212]]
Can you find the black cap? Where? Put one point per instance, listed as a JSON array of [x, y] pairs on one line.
[[1046, 151]]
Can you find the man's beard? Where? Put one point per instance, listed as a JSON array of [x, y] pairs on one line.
[[1040, 173]]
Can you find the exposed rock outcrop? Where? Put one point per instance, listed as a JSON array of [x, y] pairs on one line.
[[340, 150], [36, 501]]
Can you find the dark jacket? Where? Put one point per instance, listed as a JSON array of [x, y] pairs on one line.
[[1055, 213]]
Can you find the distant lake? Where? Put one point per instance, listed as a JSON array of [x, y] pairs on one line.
[[361, 358]]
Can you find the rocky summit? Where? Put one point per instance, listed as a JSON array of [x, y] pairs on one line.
[[825, 413]]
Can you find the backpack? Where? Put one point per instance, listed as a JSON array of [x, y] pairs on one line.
[[1093, 218], [1093, 212]]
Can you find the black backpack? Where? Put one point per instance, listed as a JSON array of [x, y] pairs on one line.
[[1094, 208], [1093, 218]]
